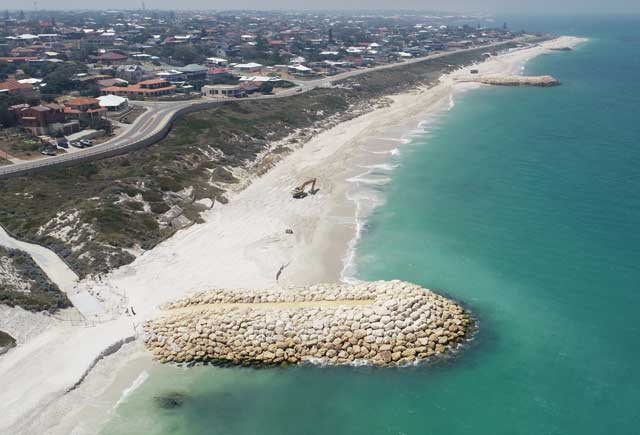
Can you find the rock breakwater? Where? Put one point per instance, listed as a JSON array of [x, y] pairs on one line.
[[379, 323], [511, 80]]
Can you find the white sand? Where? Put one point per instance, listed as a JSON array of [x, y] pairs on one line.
[[242, 244]]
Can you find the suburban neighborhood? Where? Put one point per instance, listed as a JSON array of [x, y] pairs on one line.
[[71, 80]]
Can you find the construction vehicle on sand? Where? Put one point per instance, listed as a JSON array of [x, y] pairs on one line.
[[300, 192]]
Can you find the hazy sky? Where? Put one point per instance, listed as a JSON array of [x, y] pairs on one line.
[[486, 6]]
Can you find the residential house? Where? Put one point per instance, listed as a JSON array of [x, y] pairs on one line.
[[216, 61], [171, 75], [114, 103], [220, 75], [223, 91], [300, 70], [12, 86], [152, 88], [85, 110], [130, 73], [248, 67], [193, 72], [111, 82], [99, 38], [41, 119], [261, 79], [112, 58]]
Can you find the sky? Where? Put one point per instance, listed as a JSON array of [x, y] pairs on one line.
[[538, 7]]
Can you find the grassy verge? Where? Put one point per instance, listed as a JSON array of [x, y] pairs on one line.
[[21, 146], [43, 295]]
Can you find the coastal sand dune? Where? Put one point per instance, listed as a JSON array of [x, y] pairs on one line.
[[241, 244]]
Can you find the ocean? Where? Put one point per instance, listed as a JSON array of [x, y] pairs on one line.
[[523, 204]]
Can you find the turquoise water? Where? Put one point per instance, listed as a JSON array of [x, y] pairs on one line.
[[522, 203]]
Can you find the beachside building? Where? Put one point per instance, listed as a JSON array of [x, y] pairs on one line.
[[40, 120], [85, 110], [223, 91], [152, 88], [113, 103]]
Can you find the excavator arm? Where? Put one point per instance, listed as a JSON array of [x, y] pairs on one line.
[[300, 192]]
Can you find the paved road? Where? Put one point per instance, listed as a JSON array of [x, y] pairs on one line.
[[153, 124]]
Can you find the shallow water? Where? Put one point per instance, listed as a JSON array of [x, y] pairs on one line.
[[523, 203]]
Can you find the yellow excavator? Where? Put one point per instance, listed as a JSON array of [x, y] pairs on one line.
[[300, 192]]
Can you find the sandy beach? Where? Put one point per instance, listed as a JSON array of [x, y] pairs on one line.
[[57, 381]]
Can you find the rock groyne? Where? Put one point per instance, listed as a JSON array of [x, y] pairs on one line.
[[379, 323], [512, 80]]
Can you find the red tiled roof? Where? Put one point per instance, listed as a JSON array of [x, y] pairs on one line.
[[17, 58], [98, 109], [218, 70], [82, 101], [152, 82], [14, 85], [112, 56], [135, 89]]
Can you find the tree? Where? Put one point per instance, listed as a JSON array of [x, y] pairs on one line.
[[6, 118], [61, 78], [276, 58], [186, 54], [7, 68], [262, 45]]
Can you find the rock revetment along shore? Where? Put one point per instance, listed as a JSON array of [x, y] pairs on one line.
[[380, 323]]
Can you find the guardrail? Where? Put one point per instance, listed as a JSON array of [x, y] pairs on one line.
[[105, 151]]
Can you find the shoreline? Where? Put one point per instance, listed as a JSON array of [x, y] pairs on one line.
[[237, 248]]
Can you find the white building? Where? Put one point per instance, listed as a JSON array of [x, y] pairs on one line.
[[222, 91], [260, 79], [300, 70], [250, 67], [217, 61], [113, 103]]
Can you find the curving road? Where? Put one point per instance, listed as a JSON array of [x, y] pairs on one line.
[[157, 120]]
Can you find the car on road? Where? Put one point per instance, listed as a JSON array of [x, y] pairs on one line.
[[86, 142], [77, 144], [63, 143], [48, 152]]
